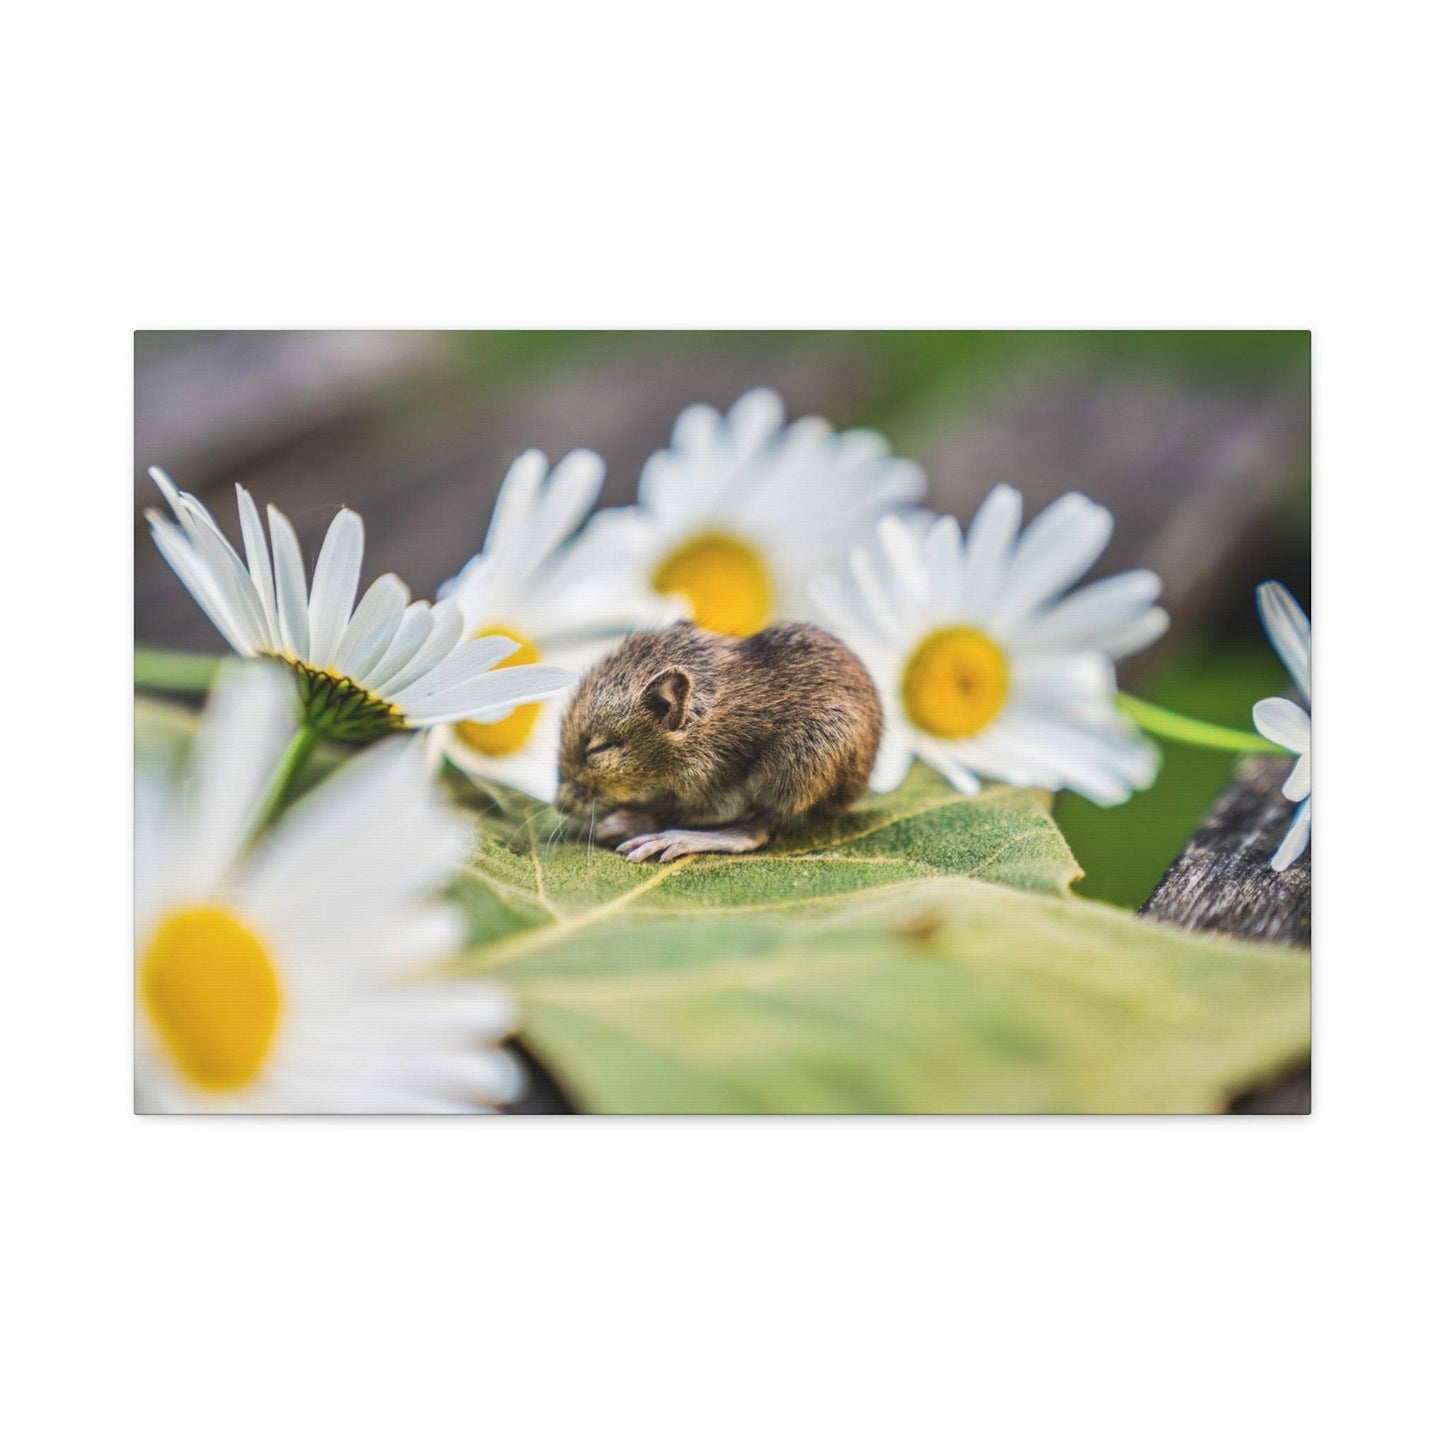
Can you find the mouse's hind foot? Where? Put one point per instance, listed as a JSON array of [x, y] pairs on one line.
[[680, 842]]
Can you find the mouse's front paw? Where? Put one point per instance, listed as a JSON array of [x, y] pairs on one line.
[[648, 845], [680, 842]]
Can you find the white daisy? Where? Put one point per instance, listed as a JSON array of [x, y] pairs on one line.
[[362, 668], [1285, 722], [276, 981], [742, 513], [561, 601], [984, 667]]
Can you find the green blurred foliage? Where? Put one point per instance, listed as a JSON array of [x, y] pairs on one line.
[[920, 373], [911, 371]]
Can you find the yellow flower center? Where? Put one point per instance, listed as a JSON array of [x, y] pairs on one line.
[[955, 683], [209, 987], [498, 739], [723, 578]]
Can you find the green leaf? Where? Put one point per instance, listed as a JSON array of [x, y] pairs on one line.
[[525, 874], [921, 955]]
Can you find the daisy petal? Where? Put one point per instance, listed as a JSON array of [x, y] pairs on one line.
[[943, 560], [516, 503], [1070, 677], [571, 490], [489, 1076], [695, 429], [169, 490], [1297, 785], [1283, 722], [503, 687], [1056, 549], [885, 605], [228, 573], [333, 588], [905, 554], [1001, 753], [258, 560], [477, 656], [446, 632], [987, 550], [290, 587], [176, 548], [372, 626], [944, 759], [754, 419], [1289, 631], [251, 715], [1131, 637], [1295, 841], [460, 1013], [1097, 612], [895, 755], [410, 635]]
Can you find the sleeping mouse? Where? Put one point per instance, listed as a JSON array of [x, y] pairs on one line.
[[685, 741]]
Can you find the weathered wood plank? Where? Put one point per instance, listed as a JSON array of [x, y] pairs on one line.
[[206, 402], [1223, 882]]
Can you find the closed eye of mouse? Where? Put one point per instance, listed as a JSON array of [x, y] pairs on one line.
[[684, 741]]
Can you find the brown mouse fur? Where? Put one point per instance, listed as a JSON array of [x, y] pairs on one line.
[[685, 741]]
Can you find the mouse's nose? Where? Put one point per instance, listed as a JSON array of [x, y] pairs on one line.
[[572, 797]]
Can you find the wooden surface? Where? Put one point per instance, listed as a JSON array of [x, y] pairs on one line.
[[1223, 882], [1201, 480], [209, 401]]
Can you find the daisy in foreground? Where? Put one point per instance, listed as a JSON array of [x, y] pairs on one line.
[[560, 601], [742, 513], [984, 667], [1285, 722], [362, 668], [274, 981]]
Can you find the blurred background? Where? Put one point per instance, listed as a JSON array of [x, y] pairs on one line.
[[1198, 441]]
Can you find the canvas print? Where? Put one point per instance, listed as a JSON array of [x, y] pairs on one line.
[[722, 722]]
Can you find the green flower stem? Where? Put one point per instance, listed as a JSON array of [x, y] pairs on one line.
[[296, 756], [1180, 729], [162, 671]]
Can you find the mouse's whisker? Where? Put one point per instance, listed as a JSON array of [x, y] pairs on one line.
[[525, 823]]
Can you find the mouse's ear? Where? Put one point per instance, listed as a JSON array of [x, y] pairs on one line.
[[666, 698]]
